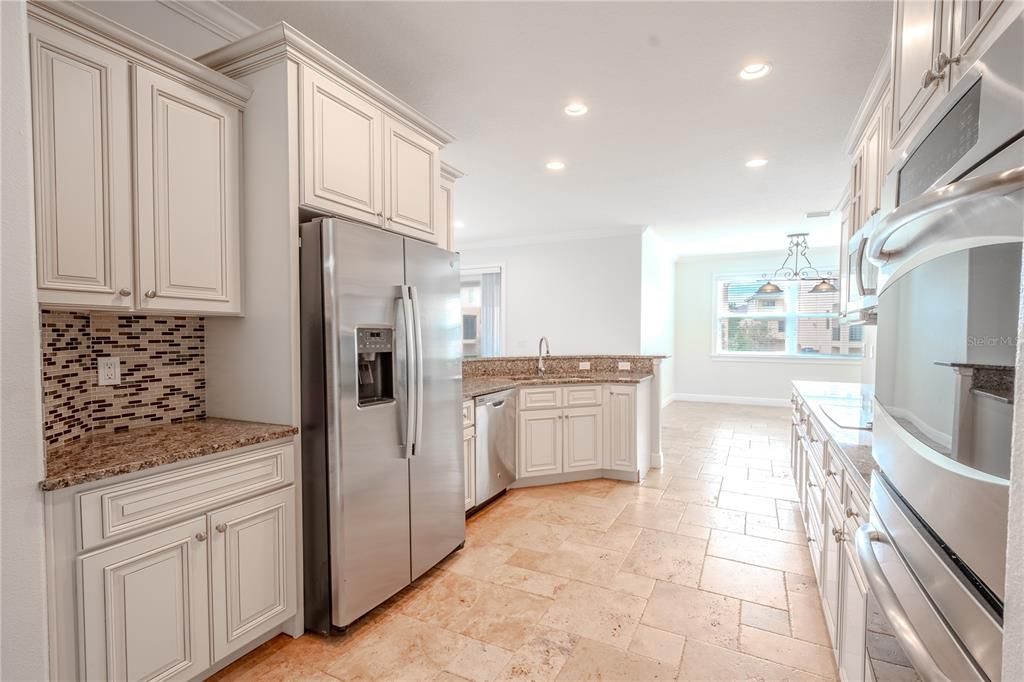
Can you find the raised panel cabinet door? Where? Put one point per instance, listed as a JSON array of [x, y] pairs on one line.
[[975, 25], [831, 554], [469, 465], [540, 443], [188, 179], [918, 30], [82, 170], [412, 178], [144, 607], [252, 557], [853, 614], [620, 418], [584, 437], [342, 149], [873, 171]]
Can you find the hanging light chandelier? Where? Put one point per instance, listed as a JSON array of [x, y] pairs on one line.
[[796, 272]]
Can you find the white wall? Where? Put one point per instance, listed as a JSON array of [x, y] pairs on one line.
[[657, 305], [22, 567], [699, 376], [583, 294]]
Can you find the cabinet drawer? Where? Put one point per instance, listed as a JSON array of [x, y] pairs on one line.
[[121, 510], [540, 398], [580, 396], [468, 413], [833, 475]]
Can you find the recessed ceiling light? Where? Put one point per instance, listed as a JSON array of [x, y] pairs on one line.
[[754, 71], [459, 224], [576, 109], [756, 163], [555, 165]]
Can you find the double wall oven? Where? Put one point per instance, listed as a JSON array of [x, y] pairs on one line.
[[949, 299]]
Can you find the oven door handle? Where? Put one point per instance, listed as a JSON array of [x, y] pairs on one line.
[[905, 632], [991, 185]]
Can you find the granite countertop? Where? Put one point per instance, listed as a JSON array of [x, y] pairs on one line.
[[104, 455], [850, 404], [477, 386]]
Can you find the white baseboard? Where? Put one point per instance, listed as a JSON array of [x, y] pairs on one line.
[[728, 399], [668, 400]]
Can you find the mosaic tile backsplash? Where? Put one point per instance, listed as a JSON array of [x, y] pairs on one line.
[[163, 372]]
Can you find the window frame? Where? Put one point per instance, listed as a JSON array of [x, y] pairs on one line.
[[501, 270], [791, 332]]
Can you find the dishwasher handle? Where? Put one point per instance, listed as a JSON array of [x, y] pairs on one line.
[[496, 403]]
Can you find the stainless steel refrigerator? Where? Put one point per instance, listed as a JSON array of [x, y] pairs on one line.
[[383, 487]]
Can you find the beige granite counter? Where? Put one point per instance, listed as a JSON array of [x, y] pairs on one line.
[[108, 454], [482, 385], [850, 404]]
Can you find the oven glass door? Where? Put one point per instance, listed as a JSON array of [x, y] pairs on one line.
[[947, 342]]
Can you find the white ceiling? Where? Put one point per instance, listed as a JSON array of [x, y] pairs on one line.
[[670, 123]]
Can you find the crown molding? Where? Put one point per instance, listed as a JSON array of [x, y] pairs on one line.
[[214, 17], [549, 238], [875, 92], [450, 172], [82, 21], [283, 41]]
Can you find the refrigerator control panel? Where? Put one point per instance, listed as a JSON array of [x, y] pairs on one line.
[[374, 339]]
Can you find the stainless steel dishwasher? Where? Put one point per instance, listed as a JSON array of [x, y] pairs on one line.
[[495, 444]]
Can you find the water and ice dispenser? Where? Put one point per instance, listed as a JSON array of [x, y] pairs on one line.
[[375, 365]]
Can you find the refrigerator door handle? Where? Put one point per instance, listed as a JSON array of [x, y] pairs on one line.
[[412, 399], [418, 365]]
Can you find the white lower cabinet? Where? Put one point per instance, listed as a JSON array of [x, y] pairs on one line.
[[145, 606], [581, 428], [252, 568], [853, 665], [582, 438], [831, 556], [620, 429], [540, 443], [469, 464], [200, 562]]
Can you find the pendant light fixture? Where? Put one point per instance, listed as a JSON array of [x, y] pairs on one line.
[[799, 270]]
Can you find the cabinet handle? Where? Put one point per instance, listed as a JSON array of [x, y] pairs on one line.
[[221, 527], [201, 536], [944, 60], [124, 292], [930, 78], [151, 293]]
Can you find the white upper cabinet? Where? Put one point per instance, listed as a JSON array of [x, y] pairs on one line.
[[166, 239], [342, 143], [144, 607], [82, 142], [917, 87], [412, 181], [446, 207], [187, 159]]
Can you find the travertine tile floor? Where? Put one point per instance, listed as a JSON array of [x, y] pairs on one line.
[[699, 573]]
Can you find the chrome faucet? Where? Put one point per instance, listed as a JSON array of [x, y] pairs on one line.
[[542, 347]]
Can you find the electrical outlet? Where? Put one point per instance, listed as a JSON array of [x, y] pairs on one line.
[[624, 366], [109, 370], [584, 365]]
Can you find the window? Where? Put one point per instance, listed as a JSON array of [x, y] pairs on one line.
[[792, 322], [482, 312]]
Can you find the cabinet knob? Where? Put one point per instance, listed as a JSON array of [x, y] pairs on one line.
[[851, 513], [930, 78], [944, 60], [124, 292], [811, 485], [151, 293], [838, 535], [829, 472], [221, 527], [201, 536]]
